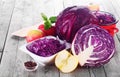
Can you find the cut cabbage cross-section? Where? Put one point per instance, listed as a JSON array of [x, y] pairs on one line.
[[85, 55], [93, 45]]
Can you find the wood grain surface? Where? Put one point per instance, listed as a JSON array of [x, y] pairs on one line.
[[17, 14]]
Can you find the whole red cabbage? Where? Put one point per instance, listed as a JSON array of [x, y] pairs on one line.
[[70, 20], [102, 42]]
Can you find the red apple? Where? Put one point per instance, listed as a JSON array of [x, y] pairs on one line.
[[34, 34], [50, 31]]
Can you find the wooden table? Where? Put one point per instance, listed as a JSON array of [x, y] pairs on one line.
[[17, 14]]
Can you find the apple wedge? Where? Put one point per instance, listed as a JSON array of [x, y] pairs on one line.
[[34, 34], [66, 62]]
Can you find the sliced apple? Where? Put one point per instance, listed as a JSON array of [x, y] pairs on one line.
[[66, 62], [34, 34]]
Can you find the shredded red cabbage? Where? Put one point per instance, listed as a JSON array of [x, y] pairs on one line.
[[104, 18], [45, 47]]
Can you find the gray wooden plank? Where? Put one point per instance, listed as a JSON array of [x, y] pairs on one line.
[[113, 7], [9, 56], [97, 72], [116, 6], [0, 6], [58, 6], [12, 63], [79, 72], [6, 9], [27, 14], [112, 68], [0, 56], [118, 37]]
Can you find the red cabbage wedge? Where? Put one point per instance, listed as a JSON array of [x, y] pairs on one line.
[[93, 45]]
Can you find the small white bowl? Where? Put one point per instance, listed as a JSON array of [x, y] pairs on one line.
[[40, 59], [34, 68]]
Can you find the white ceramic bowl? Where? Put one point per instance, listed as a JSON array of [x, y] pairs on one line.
[[40, 59]]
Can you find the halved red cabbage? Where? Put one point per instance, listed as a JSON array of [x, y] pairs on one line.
[[70, 20], [93, 45], [46, 46]]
